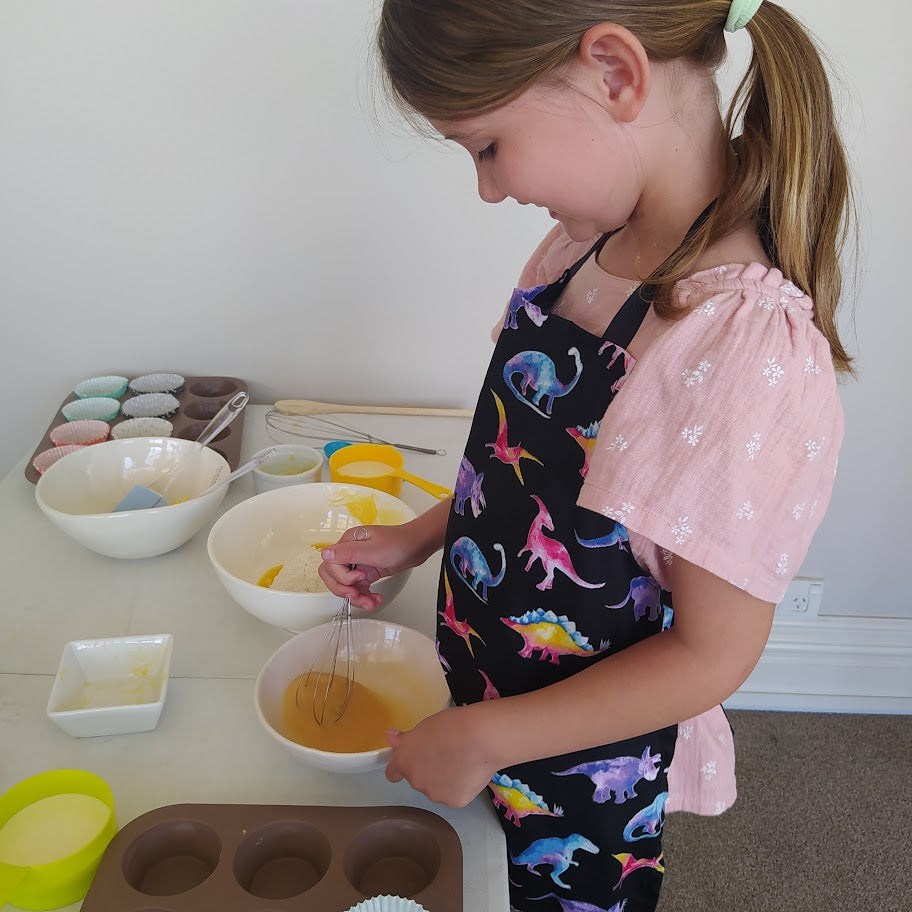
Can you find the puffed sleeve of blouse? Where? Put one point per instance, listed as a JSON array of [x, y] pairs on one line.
[[722, 444]]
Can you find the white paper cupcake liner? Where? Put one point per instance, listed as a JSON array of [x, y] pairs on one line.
[[157, 383], [151, 405], [142, 427], [387, 904]]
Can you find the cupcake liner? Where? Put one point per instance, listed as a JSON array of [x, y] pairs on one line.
[[142, 427], [151, 405], [157, 383], [82, 432], [46, 458], [96, 408], [387, 904], [110, 386]]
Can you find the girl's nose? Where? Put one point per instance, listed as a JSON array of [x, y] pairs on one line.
[[488, 189]]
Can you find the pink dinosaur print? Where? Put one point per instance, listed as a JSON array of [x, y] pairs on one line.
[[508, 455], [585, 437], [460, 628], [552, 554], [554, 635], [490, 691], [629, 362], [629, 864]]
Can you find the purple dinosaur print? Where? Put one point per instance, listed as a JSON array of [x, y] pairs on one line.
[[552, 554], [629, 362], [618, 775], [521, 299], [468, 487], [555, 852], [574, 905], [617, 536], [467, 559], [539, 373], [648, 822], [645, 592]]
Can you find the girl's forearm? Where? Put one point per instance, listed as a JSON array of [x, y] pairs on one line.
[[430, 528]]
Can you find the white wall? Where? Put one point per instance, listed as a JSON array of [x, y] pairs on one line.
[[204, 185]]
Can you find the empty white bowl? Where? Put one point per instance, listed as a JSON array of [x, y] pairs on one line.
[[111, 686], [399, 664], [79, 492], [275, 527]]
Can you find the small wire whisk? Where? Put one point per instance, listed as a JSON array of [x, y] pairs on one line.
[[316, 427], [329, 692]]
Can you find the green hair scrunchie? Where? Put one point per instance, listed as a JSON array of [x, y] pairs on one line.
[[741, 12]]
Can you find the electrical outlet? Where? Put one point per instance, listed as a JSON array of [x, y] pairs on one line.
[[802, 598]]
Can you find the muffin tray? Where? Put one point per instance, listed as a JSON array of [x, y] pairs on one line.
[[269, 858], [199, 400]]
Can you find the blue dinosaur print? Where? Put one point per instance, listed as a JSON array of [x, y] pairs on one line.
[[573, 905], [467, 560], [617, 536], [539, 373], [618, 775], [555, 852], [667, 617], [521, 299], [648, 822], [645, 592], [468, 488]]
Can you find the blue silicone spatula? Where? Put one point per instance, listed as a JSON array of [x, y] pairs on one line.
[[141, 497]]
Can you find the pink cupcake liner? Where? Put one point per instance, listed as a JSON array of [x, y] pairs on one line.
[[80, 433], [46, 458]]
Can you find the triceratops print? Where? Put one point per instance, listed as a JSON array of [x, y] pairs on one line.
[[617, 776], [629, 362], [648, 822], [552, 554], [518, 800], [554, 636], [468, 560], [555, 852], [576, 905], [508, 455], [645, 592], [585, 437], [539, 374], [522, 299], [448, 615]]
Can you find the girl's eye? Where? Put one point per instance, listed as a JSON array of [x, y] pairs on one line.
[[487, 153]]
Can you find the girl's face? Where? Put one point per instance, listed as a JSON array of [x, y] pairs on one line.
[[557, 148]]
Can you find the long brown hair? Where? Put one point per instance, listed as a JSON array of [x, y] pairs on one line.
[[452, 59]]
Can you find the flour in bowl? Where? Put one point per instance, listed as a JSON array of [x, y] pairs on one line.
[[300, 574]]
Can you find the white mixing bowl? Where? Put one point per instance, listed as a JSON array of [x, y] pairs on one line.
[[79, 492], [275, 527], [399, 664]]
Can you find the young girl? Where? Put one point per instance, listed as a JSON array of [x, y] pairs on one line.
[[660, 414]]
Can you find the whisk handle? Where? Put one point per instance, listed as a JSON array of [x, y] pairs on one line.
[[312, 407]]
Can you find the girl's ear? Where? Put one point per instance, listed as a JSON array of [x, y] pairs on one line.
[[618, 61]]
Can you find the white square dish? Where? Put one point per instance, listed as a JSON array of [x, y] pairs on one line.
[[111, 686]]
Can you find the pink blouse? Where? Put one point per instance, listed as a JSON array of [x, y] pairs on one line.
[[721, 447]]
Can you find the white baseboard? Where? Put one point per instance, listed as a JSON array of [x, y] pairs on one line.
[[833, 664]]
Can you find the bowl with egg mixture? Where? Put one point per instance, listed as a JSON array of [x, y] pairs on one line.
[[266, 550], [398, 682]]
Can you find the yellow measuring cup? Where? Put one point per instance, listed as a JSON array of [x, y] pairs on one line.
[[379, 466], [61, 820]]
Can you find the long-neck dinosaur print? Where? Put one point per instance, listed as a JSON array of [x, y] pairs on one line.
[[467, 560], [539, 374]]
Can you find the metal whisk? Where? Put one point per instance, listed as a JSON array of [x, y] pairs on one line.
[[329, 694], [315, 427]]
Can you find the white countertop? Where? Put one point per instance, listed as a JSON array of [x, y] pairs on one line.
[[208, 746]]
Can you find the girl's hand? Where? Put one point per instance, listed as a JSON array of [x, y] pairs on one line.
[[363, 555], [444, 756]]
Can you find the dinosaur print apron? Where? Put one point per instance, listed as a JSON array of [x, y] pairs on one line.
[[534, 588]]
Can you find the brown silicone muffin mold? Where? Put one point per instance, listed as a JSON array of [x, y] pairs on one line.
[[200, 399], [270, 858]]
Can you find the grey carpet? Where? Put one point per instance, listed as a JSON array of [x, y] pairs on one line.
[[823, 821]]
